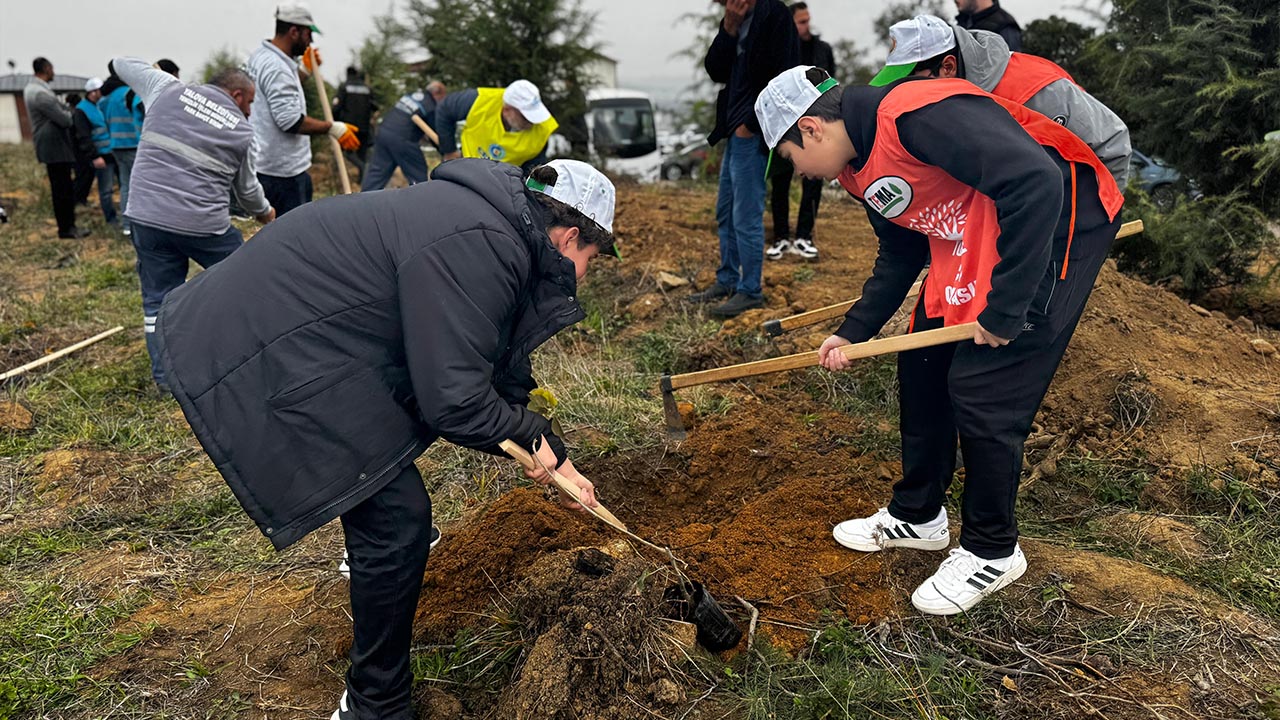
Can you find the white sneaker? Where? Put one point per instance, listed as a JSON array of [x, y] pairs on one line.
[[344, 567], [780, 248], [963, 579], [804, 248], [882, 530]]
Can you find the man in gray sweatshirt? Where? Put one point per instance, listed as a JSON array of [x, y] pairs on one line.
[[193, 154]]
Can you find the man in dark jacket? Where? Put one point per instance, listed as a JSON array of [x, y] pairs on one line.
[[813, 51], [757, 40], [355, 105], [51, 129], [318, 361], [400, 138], [988, 15]]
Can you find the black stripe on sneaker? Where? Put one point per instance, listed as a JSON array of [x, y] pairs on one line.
[[992, 571], [892, 532], [975, 583], [984, 578], [911, 531]]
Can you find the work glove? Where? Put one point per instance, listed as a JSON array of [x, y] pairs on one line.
[[345, 134], [310, 61]]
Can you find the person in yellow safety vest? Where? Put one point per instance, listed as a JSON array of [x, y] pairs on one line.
[[508, 124]]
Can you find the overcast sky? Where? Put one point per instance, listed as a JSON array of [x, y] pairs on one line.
[[79, 36]]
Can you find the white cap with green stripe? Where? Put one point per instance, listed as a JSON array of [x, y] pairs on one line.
[[919, 38], [582, 188], [784, 101]]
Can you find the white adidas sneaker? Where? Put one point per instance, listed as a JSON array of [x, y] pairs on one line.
[[882, 530], [964, 579]]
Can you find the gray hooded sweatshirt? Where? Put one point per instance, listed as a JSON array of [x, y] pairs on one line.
[[985, 57]]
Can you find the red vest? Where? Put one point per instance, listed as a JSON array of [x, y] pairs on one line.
[[1027, 75], [959, 221]]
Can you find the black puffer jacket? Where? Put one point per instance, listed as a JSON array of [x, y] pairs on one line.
[[347, 336]]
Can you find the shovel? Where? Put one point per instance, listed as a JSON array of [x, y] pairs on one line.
[[856, 351], [565, 486], [831, 312]]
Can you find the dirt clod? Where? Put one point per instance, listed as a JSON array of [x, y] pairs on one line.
[[15, 417]]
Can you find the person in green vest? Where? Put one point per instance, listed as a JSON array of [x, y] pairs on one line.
[[508, 124]]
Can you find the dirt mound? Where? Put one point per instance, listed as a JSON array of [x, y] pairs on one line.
[[481, 558], [597, 639], [1145, 372]]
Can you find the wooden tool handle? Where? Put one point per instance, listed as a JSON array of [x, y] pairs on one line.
[[323, 92], [565, 486], [871, 348], [60, 353], [831, 312], [813, 317], [426, 129]]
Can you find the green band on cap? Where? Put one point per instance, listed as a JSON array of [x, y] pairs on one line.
[[827, 84], [535, 185], [892, 73]]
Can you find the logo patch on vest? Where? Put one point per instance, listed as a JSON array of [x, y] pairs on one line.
[[1060, 119], [890, 196]]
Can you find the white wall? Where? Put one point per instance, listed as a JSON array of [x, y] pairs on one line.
[[10, 128]]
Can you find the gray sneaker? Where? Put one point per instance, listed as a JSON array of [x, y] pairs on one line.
[[711, 294], [736, 305]]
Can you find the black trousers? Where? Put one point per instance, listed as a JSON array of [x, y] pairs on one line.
[[85, 173], [64, 196], [286, 193], [989, 396], [388, 540], [780, 202]]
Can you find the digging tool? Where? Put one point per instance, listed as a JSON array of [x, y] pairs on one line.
[[565, 486], [323, 93], [716, 631], [60, 353], [831, 312], [426, 130], [813, 317], [856, 351]]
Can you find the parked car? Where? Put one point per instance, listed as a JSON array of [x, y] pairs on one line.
[[1160, 180], [686, 162]]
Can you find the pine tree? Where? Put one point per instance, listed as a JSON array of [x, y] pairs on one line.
[[490, 43]]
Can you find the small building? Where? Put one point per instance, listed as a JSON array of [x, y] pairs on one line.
[[15, 127]]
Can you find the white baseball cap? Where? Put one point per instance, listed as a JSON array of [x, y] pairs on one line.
[[785, 100], [296, 13], [920, 38], [524, 96], [92, 84], [582, 188]]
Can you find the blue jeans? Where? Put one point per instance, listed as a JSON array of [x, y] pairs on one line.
[[163, 260], [740, 215], [389, 153], [106, 183], [124, 165], [286, 193]]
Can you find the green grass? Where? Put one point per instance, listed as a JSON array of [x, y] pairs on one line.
[[849, 673], [49, 637], [1235, 519]]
